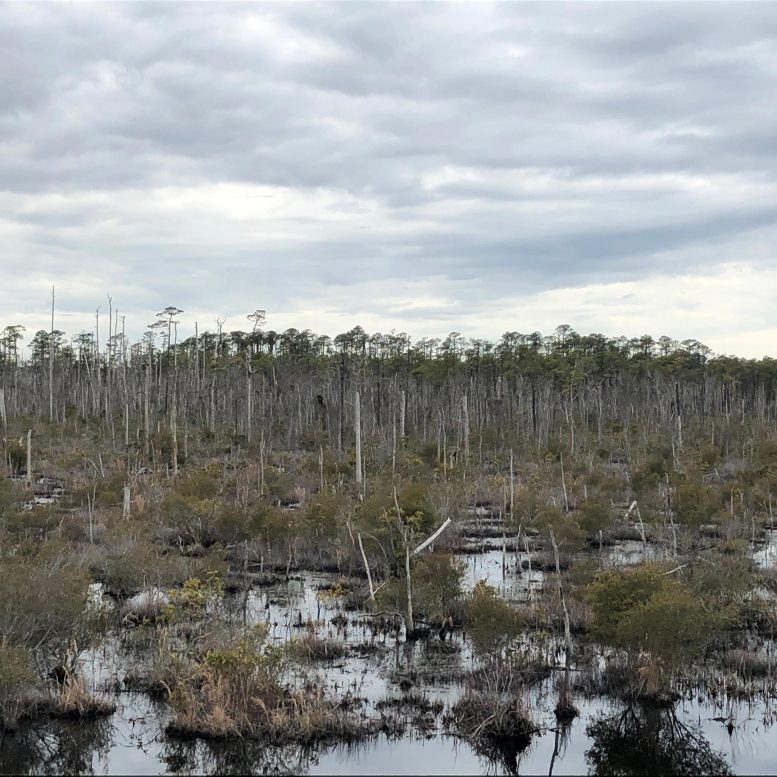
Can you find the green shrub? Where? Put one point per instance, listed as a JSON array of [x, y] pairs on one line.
[[643, 609], [43, 606], [593, 516], [491, 622], [17, 682]]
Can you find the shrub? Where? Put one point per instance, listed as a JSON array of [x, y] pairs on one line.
[[17, 682], [436, 586], [437, 582], [594, 515], [43, 606], [491, 622], [642, 609]]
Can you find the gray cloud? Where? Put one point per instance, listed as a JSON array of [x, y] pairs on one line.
[[509, 145]]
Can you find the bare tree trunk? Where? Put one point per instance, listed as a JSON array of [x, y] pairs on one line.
[[564, 482], [528, 555], [567, 629], [357, 423], [261, 465], [146, 414], [29, 457], [249, 398], [126, 506], [410, 622], [366, 567], [174, 431], [394, 452], [402, 414], [51, 361], [465, 414], [512, 484], [341, 420]]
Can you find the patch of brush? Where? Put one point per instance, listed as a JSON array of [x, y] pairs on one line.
[[494, 725], [75, 702], [312, 648]]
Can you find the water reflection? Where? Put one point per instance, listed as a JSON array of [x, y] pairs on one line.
[[650, 741], [235, 757], [58, 747]]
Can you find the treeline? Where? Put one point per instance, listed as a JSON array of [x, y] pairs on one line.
[[296, 389]]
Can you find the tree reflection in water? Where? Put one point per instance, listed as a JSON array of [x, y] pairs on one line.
[[640, 740], [59, 747], [504, 753], [240, 756]]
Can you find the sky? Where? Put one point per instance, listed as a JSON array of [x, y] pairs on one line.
[[424, 168]]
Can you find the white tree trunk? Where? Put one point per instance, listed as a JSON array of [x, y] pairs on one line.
[[366, 567], [51, 361], [29, 456], [512, 485], [465, 434], [567, 629], [410, 622], [357, 423]]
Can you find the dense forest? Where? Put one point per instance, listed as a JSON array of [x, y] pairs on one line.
[[295, 388], [623, 486]]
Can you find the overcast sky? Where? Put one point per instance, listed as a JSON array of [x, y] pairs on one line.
[[418, 167]]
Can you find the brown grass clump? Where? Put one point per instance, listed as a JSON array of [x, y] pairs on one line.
[[312, 648], [233, 691], [411, 702], [412, 708], [748, 663], [630, 680], [75, 702], [508, 675], [497, 727]]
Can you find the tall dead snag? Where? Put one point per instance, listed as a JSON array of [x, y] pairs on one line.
[[512, 484], [410, 622], [567, 629], [169, 313], [29, 457], [405, 530], [357, 424], [258, 317], [341, 418], [529, 589], [465, 432], [565, 708], [402, 414], [564, 483], [51, 361], [174, 432]]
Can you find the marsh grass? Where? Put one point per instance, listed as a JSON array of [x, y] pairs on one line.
[[75, 702], [492, 723], [234, 690], [313, 648]]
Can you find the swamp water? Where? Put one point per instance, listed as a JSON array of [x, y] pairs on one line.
[[605, 735]]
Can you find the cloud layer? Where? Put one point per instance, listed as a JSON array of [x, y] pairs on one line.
[[423, 167]]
